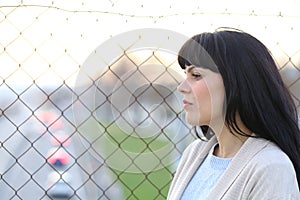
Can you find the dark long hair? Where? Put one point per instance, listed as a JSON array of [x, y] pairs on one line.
[[253, 86]]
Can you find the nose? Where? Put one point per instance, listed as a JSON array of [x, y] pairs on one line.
[[183, 87]]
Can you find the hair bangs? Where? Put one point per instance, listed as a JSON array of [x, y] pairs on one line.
[[193, 53]]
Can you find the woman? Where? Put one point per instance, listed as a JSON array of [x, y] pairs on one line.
[[233, 91]]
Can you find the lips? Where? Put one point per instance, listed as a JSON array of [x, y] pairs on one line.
[[186, 103]]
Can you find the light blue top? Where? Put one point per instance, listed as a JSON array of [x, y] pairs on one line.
[[206, 177]]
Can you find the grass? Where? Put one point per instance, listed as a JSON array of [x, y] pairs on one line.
[[153, 185], [136, 183]]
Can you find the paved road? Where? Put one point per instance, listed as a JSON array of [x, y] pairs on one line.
[[27, 174], [25, 168]]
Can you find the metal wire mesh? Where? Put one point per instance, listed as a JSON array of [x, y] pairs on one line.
[[112, 132]]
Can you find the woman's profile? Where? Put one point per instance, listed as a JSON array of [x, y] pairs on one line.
[[245, 118]]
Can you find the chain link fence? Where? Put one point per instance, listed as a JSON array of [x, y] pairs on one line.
[[89, 108]]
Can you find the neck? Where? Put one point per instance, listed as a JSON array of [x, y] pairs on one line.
[[229, 144]]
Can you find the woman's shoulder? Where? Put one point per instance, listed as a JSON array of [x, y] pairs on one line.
[[271, 162], [271, 174], [264, 170], [271, 154]]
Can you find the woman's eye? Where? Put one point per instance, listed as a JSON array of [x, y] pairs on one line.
[[196, 75]]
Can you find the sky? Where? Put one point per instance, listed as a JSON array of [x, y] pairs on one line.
[[47, 42]]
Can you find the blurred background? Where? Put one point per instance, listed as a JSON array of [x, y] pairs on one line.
[[89, 109]]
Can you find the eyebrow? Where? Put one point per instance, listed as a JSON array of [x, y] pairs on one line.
[[190, 69]]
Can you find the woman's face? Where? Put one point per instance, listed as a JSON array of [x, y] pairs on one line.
[[204, 96]]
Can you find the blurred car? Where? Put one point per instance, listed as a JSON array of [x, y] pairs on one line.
[[58, 157], [59, 185]]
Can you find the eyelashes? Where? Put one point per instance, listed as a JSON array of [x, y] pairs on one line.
[[193, 74], [196, 75]]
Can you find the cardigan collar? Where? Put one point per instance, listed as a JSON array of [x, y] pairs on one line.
[[238, 163], [199, 153]]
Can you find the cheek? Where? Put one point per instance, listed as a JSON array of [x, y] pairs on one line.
[[201, 115], [217, 98], [209, 97], [203, 96]]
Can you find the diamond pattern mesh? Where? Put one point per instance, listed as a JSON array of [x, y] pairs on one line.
[[119, 133]]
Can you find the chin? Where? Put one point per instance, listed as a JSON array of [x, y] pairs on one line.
[[197, 122], [193, 121]]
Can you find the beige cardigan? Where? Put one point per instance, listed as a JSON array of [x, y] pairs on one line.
[[259, 171]]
